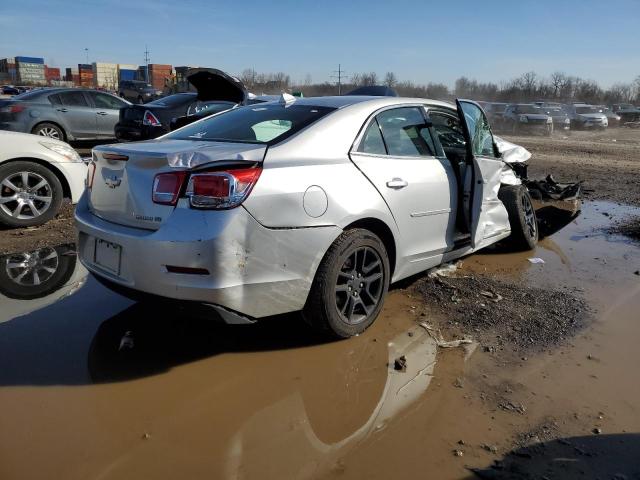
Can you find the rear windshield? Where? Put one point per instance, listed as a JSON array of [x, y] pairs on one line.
[[173, 100], [267, 123]]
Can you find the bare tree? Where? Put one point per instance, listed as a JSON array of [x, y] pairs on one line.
[[390, 79]]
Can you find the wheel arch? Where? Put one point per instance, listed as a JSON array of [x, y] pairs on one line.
[[382, 230], [57, 124], [66, 189]]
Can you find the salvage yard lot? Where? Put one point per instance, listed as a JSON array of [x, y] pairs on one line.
[[549, 341]]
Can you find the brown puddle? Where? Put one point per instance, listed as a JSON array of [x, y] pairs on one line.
[[92, 386]]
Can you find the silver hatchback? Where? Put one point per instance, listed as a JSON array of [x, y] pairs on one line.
[[314, 204]]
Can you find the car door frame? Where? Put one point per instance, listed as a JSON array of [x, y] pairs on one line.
[[407, 263], [100, 112], [489, 219], [70, 123]]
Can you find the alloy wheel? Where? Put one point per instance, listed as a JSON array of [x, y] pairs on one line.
[[359, 285], [49, 132], [32, 268], [25, 195]]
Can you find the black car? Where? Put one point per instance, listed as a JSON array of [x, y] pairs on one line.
[[215, 92], [137, 91], [9, 90]]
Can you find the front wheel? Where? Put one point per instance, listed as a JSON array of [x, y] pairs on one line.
[[48, 130], [522, 216], [30, 194], [348, 291]]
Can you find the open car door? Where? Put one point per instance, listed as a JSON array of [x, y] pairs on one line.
[[487, 216]]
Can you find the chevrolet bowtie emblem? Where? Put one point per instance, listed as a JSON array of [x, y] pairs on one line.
[[113, 182]]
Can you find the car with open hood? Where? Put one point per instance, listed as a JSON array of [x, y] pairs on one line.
[[525, 117], [313, 204], [215, 91]]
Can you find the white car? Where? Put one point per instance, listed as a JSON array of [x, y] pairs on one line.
[[36, 174]]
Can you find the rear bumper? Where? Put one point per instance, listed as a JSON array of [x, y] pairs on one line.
[[134, 133], [253, 270]]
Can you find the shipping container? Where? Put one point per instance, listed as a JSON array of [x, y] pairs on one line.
[[28, 60], [30, 73], [128, 74]]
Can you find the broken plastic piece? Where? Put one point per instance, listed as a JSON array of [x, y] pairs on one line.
[[535, 260]]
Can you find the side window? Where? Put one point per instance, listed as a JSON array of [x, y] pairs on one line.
[[405, 132], [73, 99], [106, 101], [481, 137], [54, 100], [372, 141]]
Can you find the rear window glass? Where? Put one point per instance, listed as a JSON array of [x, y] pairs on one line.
[[73, 99], [173, 100], [267, 123]]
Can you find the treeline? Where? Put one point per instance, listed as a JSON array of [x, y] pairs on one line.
[[526, 88]]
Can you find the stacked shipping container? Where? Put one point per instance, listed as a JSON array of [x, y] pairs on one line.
[[159, 74], [105, 75], [86, 78], [51, 74], [30, 70]]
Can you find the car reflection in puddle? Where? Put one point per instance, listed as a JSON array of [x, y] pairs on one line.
[[32, 280]]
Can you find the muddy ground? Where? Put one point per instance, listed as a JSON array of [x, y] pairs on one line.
[[94, 386]]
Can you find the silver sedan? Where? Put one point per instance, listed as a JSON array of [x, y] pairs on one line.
[[314, 204]]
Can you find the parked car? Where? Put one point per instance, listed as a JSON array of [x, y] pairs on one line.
[[520, 118], [315, 204], [62, 113], [36, 174], [215, 90], [584, 116], [561, 120], [137, 91], [495, 111], [9, 90], [621, 107], [613, 119]]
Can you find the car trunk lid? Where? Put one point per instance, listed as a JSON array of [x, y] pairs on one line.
[[123, 179], [215, 85]]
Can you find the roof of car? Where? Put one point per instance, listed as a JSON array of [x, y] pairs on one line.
[[347, 100]]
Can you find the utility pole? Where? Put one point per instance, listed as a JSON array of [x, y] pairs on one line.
[[146, 62], [339, 74]]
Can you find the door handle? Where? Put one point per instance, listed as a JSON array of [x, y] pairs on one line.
[[101, 113], [397, 183], [62, 109]]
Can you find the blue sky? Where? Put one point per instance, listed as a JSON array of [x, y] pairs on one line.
[[419, 40]]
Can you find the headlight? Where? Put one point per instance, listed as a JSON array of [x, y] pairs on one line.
[[64, 150], [524, 119]]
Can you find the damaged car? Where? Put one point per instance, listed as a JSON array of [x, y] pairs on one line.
[[215, 92], [314, 204]]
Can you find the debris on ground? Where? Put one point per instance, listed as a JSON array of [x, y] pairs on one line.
[[436, 334], [525, 318], [400, 364], [535, 260], [549, 189], [446, 270]]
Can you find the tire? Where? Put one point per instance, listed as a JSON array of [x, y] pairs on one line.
[[26, 207], [36, 274], [339, 304], [49, 130], [522, 216]]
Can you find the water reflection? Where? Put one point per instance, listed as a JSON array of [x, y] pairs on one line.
[[32, 280]]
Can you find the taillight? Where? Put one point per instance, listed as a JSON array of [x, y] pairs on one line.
[[167, 186], [15, 108], [221, 189], [91, 171], [150, 119]]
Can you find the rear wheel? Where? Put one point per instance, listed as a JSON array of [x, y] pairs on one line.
[[350, 285], [30, 194], [522, 216], [48, 130]]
